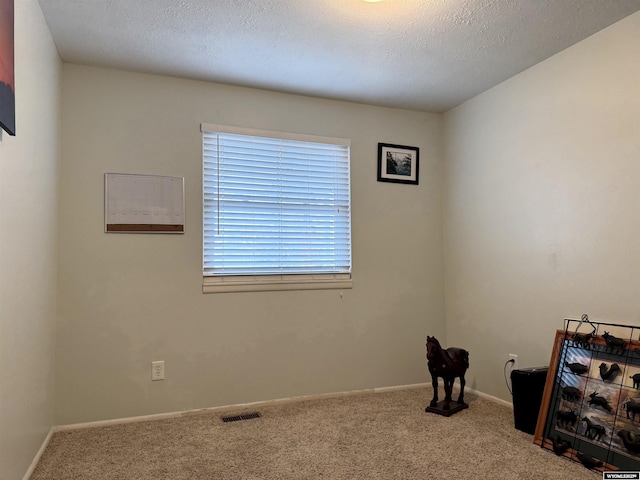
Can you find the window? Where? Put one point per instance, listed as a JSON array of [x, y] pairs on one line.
[[277, 211]]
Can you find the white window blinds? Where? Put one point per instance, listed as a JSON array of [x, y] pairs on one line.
[[275, 206]]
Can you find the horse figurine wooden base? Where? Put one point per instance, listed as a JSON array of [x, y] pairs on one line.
[[448, 364]]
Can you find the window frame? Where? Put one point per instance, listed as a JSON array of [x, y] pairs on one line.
[[274, 282]]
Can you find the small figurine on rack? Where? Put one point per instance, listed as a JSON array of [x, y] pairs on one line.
[[599, 401], [615, 344], [577, 368], [570, 394], [632, 406], [560, 446], [594, 431], [631, 440], [583, 340], [566, 419], [609, 373], [589, 461]]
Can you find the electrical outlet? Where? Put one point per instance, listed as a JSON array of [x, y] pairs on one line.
[[157, 370], [514, 365]]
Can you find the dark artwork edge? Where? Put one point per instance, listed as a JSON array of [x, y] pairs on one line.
[[8, 109]]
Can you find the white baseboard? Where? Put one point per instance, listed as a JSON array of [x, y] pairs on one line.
[[455, 388], [399, 387], [491, 398], [162, 416], [36, 459]]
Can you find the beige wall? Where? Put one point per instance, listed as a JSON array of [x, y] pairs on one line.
[[542, 204], [28, 221], [126, 300]]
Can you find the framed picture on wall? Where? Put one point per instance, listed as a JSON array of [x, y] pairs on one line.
[[7, 78], [398, 163]]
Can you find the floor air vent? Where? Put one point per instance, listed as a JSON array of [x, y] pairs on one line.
[[244, 416]]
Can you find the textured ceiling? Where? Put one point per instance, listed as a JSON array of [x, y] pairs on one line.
[[426, 55]]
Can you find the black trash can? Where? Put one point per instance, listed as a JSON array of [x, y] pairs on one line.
[[527, 386]]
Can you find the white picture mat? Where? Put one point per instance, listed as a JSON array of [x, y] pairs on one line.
[[143, 199]]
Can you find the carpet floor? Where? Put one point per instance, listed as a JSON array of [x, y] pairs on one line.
[[361, 436]]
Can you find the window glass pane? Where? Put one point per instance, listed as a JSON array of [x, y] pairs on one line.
[[275, 206]]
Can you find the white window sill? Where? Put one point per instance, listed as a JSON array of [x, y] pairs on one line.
[[270, 283]]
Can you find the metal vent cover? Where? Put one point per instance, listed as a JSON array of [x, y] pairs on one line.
[[244, 416]]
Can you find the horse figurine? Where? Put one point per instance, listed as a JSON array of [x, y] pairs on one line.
[[448, 364]]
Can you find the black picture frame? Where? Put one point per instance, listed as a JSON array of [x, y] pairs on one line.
[[7, 74], [398, 163]]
